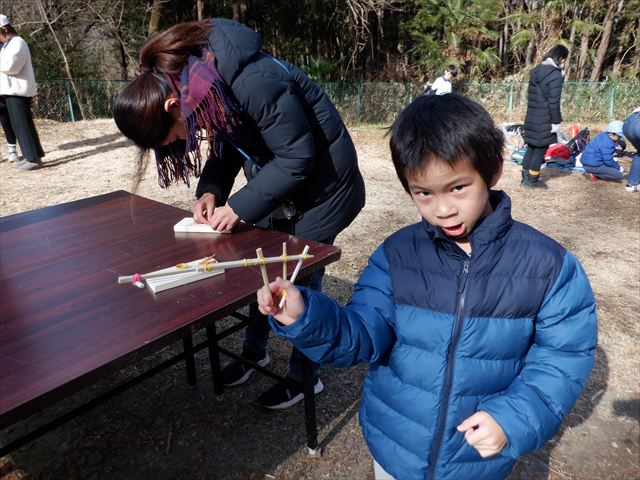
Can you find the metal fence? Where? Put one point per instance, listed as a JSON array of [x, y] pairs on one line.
[[371, 102]]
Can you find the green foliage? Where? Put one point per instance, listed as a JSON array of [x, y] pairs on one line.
[[343, 39]]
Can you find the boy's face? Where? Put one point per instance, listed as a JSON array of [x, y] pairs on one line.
[[453, 198]]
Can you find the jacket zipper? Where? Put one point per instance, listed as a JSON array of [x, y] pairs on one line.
[[444, 405]]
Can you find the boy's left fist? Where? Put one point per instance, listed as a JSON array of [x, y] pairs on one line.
[[483, 433]]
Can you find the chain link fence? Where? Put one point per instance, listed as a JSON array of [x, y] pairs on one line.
[[370, 102]]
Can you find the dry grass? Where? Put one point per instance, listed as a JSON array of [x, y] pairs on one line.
[[599, 223]]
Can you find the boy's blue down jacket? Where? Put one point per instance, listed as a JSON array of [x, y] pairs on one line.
[[510, 330]]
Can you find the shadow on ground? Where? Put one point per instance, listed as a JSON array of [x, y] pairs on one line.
[[535, 466], [163, 428]]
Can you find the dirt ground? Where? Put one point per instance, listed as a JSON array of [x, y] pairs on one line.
[[164, 429]]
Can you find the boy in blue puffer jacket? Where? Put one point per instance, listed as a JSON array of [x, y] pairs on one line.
[[597, 158], [479, 330]]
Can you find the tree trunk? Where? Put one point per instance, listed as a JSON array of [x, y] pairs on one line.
[[200, 9], [154, 18], [572, 37], [604, 42], [584, 49], [239, 10]]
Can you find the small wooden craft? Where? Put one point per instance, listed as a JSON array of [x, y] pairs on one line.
[[180, 274], [195, 270]]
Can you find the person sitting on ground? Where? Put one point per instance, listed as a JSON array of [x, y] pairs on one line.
[[442, 85], [479, 330], [597, 158], [631, 130]]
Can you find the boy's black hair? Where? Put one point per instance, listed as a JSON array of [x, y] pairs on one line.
[[453, 70], [558, 53], [448, 128]]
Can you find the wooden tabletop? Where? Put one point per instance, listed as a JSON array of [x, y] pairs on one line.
[[64, 319]]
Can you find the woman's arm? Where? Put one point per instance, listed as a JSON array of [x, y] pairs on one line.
[[277, 108]]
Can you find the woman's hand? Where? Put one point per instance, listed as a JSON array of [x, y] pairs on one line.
[[224, 219], [483, 433], [269, 299], [203, 209]]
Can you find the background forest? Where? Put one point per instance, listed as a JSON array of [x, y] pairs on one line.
[[348, 40]]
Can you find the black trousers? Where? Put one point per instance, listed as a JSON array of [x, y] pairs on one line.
[[19, 109], [6, 123], [533, 158]]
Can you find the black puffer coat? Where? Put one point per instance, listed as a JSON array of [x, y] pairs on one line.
[[543, 105], [293, 131]]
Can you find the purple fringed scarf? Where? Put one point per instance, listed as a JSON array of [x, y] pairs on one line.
[[206, 102]]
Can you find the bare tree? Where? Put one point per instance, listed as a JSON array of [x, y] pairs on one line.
[[126, 58], [67, 69]]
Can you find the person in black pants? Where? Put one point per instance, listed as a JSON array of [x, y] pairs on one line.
[[543, 118], [9, 134], [211, 83]]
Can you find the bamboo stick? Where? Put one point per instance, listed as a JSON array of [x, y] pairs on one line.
[[284, 264], [295, 274], [245, 262], [263, 267]]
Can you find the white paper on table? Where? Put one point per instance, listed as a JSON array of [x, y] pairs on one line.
[[188, 225]]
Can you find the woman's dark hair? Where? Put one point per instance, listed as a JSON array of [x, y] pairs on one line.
[[8, 28], [139, 109], [448, 128], [557, 53]]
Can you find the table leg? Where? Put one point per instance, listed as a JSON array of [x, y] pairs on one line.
[[189, 360], [309, 406], [214, 359]]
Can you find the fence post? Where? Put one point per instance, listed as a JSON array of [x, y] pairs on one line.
[[68, 89], [509, 113], [358, 101], [612, 95]]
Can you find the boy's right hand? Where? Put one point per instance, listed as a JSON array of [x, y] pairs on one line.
[[269, 300]]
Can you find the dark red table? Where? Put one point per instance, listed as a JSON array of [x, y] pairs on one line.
[[65, 322]]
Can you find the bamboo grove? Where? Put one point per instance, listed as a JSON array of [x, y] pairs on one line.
[[348, 40]]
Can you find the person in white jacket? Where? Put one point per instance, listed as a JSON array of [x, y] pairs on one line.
[[17, 87]]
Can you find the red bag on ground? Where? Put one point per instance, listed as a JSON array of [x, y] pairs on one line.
[[557, 151]]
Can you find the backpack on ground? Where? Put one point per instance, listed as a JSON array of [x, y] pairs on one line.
[[578, 143]]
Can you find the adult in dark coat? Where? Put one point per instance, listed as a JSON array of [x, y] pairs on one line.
[[259, 114], [543, 118]]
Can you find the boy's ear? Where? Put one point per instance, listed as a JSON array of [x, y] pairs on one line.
[[497, 176]]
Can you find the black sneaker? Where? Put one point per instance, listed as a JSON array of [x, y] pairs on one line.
[[236, 373], [285, 394]]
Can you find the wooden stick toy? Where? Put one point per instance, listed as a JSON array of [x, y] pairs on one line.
[[209, 265], [294, 275], [263, 267], [284, 260]]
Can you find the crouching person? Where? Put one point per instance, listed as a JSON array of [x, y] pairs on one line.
[[479, 330]]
